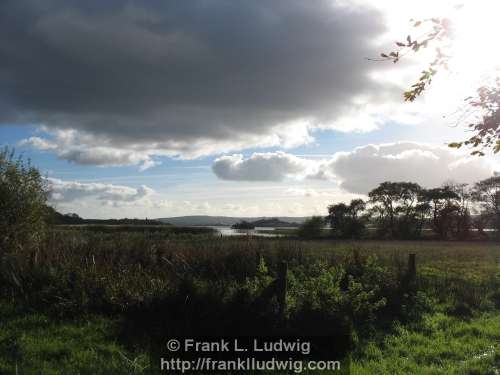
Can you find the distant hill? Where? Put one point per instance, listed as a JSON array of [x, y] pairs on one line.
[[281, 221]]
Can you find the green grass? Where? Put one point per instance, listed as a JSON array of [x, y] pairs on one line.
[[33, 343], [439, 345]]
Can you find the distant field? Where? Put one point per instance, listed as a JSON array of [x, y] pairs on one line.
[[95, 298]]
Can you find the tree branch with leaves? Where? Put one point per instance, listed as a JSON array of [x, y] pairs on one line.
[[485, 102]]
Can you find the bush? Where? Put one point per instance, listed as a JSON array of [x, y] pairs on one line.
[[23, 196]]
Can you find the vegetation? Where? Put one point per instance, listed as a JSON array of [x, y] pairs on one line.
[[487, 192], [135, 288], [22, 204], [348, 221]]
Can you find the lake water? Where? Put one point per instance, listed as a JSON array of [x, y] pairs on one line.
[[258, 231]]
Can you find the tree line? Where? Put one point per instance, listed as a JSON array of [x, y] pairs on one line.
[[403, 210]]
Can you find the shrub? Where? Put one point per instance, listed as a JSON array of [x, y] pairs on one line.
[[23, 195]]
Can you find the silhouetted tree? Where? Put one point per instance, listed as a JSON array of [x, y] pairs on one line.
[[487, 194], [450, 210], [462, 219], [348, 221], [384, 199], [398, 209], [440, 200]]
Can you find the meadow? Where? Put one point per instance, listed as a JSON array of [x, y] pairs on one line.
[[101, 301]]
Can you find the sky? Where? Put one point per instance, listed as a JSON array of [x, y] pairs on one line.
[[233, 107]]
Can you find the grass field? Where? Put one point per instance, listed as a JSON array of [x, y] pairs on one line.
[[93, 302]]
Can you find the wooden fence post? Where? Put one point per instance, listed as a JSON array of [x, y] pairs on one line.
[[282, 287]]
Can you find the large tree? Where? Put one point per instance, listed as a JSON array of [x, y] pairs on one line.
[[398, 207], [462, 219], [487, 194], [450, 210], [348, 221], [441, 206]]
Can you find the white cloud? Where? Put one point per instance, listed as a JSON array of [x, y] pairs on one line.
[[362, 169], [271, 166], [148, 163], [365, 167], [86, 149], [63, 192]]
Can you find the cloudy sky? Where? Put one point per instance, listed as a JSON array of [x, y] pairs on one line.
[[232, 107]]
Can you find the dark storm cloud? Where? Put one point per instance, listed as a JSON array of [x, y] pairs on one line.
[[177, 73]]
